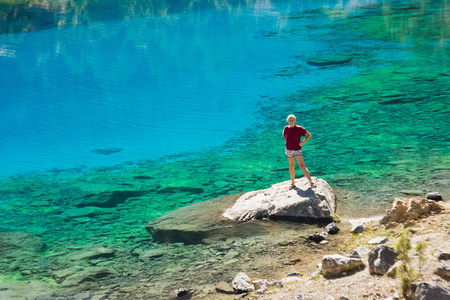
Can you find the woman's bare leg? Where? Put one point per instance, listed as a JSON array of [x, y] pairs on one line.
[[292, 169], [301, 164]]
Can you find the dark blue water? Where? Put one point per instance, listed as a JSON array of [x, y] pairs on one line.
[[149, 86]]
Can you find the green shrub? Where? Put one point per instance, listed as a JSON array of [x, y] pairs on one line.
[[405, 272]]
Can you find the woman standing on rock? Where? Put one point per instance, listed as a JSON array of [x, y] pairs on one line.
[[292, 134]]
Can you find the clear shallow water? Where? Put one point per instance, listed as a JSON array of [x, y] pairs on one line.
[[227, 78]]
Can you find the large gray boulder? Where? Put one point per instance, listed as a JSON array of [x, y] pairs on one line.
[[381, 259], [303, 203], [336, 265], [204, 222], [431, 291]]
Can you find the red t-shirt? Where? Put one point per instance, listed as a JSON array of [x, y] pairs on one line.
[[293, 135]]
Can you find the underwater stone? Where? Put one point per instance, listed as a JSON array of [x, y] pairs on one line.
[[109, 199], [180, 189], [408, 70], [24, 289], [149, 254], [412, 192], [327, 60], [202, 222], [22, 241], [392, 97], [87, 211], [278, 202], [107, 151], [87, 275], [290, 71], [60, 275], [93, 252]]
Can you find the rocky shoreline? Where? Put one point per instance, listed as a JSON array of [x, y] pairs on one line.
[[359, 272]]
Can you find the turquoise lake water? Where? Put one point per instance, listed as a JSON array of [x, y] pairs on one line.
[[170, 104], [154, 86]]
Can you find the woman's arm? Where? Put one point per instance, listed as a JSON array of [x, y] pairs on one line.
[[308, 136]]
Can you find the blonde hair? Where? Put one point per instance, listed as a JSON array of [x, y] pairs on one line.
[[289, 117]]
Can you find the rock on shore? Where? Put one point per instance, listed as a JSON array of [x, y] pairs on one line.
[[303, 203], [203, 222]]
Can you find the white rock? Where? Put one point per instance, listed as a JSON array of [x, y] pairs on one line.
[[278, 202], [242, 283]]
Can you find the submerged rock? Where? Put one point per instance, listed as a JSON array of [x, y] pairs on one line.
[[24, 289], [60, 275], [87, 211], [107, 151], [21, 241], [202, 223], [93, 252], [327, 60], [109, 198], [278, 202], [150, 254], [87, 275]]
